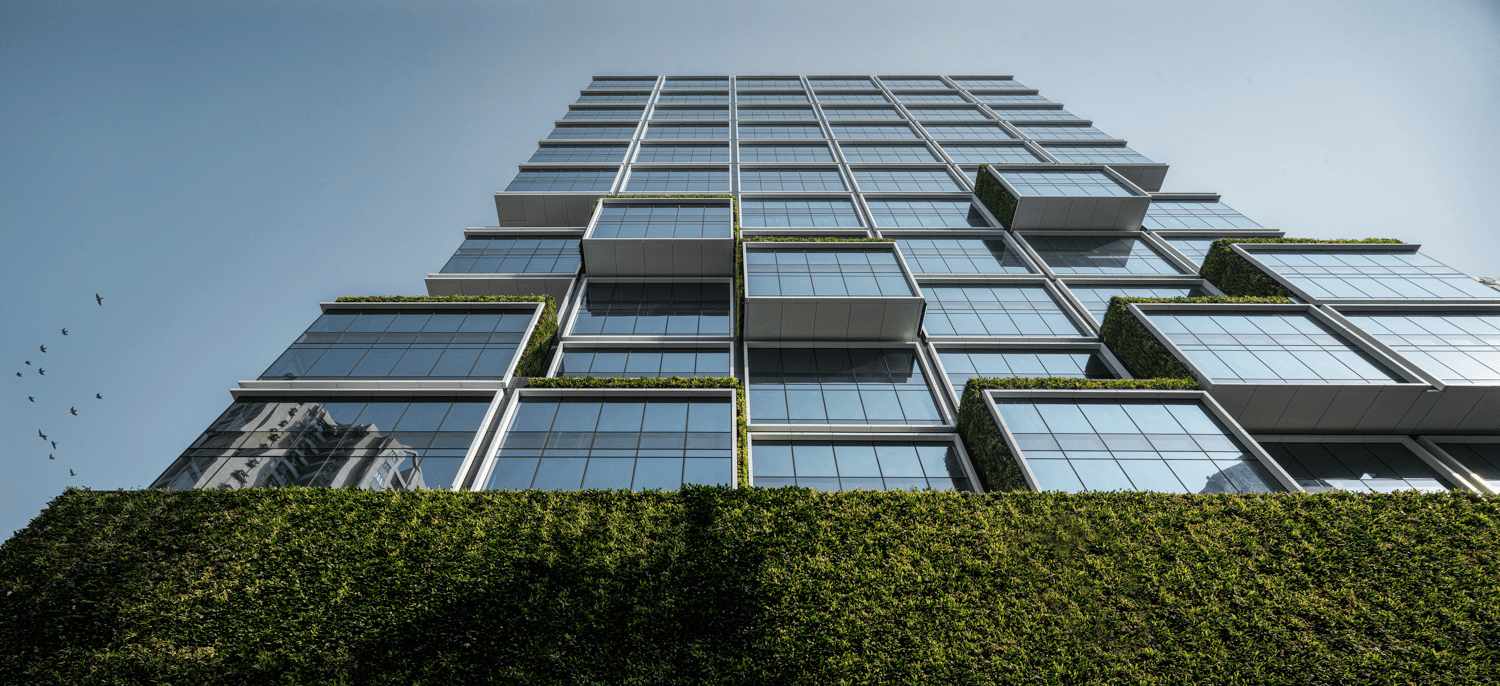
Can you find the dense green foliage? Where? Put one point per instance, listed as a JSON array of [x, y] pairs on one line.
[[1139, 350], [742, 465], [994, 196], [755, 586], [993, 461], [1236, 276], [533, 360]]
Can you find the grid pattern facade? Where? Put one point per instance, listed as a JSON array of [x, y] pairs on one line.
[[859, 156]]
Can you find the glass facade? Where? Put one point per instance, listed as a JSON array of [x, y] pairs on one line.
[[887, 153], [579, 153], [381, 444], [404, 344], [1481, 459], [839, 386], [1100, 255], [683, 153], [1372, 274], [664, 220], [810, 213], [962, 256], [995, 310], [962, 364], [859, 465], [654, 309], [1095, 297], [1067, 183], [1178, 214], [1170, 446], [1455, 347], [1358, 467], [563, 180], [678, 179], [515, 254], [613, 442], [1279, 347], [925, 214], [785, 153], [645, 362], [791, 180], [823, 272], [1094, 154]]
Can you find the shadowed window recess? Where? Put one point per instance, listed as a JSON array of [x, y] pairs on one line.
[[1358, 467]]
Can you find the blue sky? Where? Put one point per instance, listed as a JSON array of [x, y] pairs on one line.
[[217, 169]]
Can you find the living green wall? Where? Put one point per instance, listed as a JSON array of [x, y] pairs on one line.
[[533, 360], [994, 196], [1236, 276], [992, 459], [755, 586]]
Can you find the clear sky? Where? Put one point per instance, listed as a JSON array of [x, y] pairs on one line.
[[215, 170]]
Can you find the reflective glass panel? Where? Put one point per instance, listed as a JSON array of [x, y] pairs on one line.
[[772, 97], [829, 272], [644, 362], [1481, 459], [683, 153], [839, 386], [782, 82], [623, 83], [914, 83], [966, 131], [613, 98], [381, 444], [1095, 297], [605, 131], [995, 310], [998, 84], [581, 442], [579, 153], [791, 180], [664, 220], [906, 179], [404, 344], [961, 256], [691, 98], [913, 213], [1173, 446], [1457, 347], [873, 131], [990, 154], [850, 98], [941, 113], [604, 113], [515, 254], [563, 180], [887, 153], [1372, 275], [697, 83], [847, 84], [1061, 132], [1094, 154], [859, 465], [963, 364], [654, 309], [909, 96], [776, 113], [781, 131], [690, 113], [1275, 347], [785, 153], [861, 113], [1067, 183], [1100, 255], [812, 213], [1359, 467], [1176, 214], [678, 179], [685, 131], [1034, 113], [1007, 99]]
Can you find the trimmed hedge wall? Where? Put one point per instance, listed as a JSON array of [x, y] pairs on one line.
[[533, 360], [742, 465], [994, 196], [1235, 276], [752, 586], [993, 461], [1142, 353]]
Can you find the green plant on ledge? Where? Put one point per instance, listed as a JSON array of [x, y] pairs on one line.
[[533, 360], [994, 196], [1235, 275], [741, 465], [1142, 353], [993, 461]]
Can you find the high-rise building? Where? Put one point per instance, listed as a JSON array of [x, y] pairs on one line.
[[930, 229]]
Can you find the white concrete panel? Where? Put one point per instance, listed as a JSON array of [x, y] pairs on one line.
[[832, 321], [867, 320], [1305, 409], [438, 287], [1265, 408], [798, 317]]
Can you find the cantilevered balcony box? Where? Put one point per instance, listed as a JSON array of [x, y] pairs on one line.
[[1061, 196], [1290, 368], [833, 291], [494, 261], [676, 237]]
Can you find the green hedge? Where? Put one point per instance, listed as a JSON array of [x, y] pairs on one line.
[[1139, 350], [742, 466], [1236, 276], [533, 360], [993, 461], [754, 586], [994, 196]]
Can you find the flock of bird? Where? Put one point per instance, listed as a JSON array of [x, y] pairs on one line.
[[41, 371]]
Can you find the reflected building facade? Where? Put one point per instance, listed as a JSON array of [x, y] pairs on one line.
[[1382, 374]]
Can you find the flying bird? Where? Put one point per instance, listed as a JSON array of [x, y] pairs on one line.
[[65, 332], [41, 371], [39, 433], [54, 444], [74, 410], [28, 361], [31, 398], [18, 373], [101, 300], [44, 348], [96, 395], [50, 457], [70, 473]]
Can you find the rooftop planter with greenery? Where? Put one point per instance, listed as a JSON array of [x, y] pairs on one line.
[[997, 467], [1236, 276], [533, 360], [742, 423], [751, 586], [994, 196], [1139, 350]]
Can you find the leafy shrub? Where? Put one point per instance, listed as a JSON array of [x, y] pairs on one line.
[[993, 461], [743, 425], [533, 360], [1236, 276], [1139, 350], [751, 586], [994, 196]]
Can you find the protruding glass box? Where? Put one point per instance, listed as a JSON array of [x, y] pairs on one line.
[[684, 237], [842, 291], [1064, 197]]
